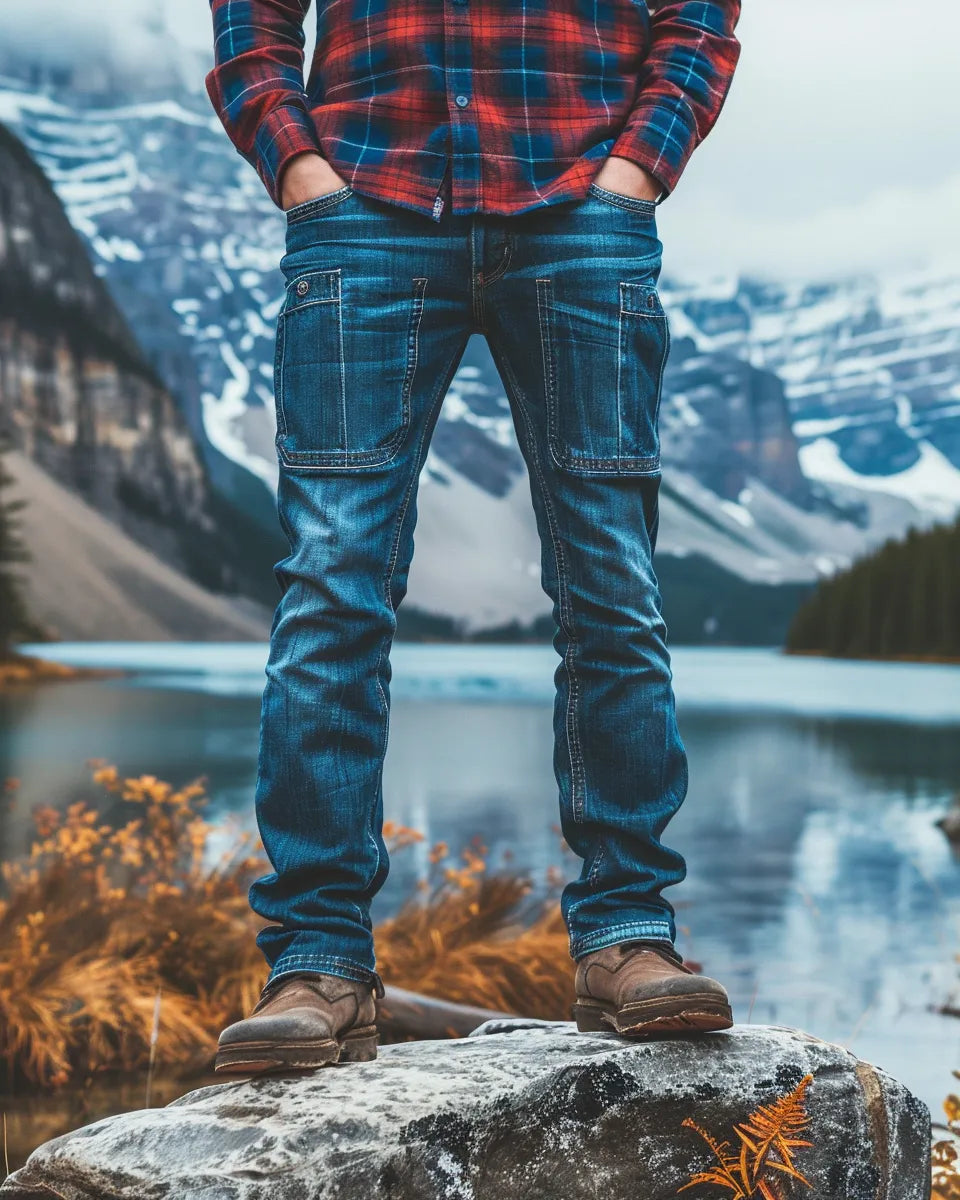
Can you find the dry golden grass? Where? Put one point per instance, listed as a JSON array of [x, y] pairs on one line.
[[99, 916], [946, 1156]]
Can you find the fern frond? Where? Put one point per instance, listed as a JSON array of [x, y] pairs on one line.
[[725, 1173], [718, 1178], [772, 1128], [788, 1169]]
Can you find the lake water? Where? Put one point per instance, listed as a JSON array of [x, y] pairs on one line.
[[819, 888]]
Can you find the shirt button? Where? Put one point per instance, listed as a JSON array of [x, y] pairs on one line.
[[463, 101]]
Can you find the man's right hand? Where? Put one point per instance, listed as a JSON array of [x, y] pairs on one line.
[[306, 177]]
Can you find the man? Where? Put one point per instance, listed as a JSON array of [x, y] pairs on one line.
[[452, 167]]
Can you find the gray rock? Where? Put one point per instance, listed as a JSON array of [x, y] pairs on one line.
[[534, 1111]]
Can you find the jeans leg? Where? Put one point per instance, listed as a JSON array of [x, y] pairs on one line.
[[369, 337], [580, 338]]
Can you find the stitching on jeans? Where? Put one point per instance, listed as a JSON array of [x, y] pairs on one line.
[[413, 343], [413, 356], [626, 290], [577, 801], [485, 281], [278, 378], [317, 205], [579, 464], [307, 460], [433, 409], [663, 367], [595, 869], [577, 778], [318, 960], [636, 926], [331, 958], [631, 203], [343, 369]]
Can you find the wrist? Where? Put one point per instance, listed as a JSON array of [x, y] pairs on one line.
[[627, 177], [305, 176]]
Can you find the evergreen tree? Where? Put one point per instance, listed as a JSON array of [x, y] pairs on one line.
[[903, 600]]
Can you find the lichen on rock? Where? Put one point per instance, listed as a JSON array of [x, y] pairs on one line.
[[517, 1111]]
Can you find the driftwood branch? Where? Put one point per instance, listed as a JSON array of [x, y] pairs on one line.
[[402, 1015]]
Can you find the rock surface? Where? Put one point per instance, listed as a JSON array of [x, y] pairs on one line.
[[524, 1110]]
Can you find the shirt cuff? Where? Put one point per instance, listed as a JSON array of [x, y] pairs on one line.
[[650, 139], [283, 133]]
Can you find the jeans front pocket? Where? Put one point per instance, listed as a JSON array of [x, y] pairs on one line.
[[318, 205], [645, 208], [604, 351], [346, 353]]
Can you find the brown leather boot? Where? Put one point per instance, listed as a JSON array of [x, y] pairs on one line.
[[303, 1020], [642, 989]]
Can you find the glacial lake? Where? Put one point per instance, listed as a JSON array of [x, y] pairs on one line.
[[819, 889]]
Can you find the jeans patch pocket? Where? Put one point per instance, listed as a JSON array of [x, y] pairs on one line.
[[346, 353], [603, 359]]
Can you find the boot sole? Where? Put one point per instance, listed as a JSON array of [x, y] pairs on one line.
[[248, 1058], [693, 1013]]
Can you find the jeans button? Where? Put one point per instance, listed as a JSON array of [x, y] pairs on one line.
[[303, 287]]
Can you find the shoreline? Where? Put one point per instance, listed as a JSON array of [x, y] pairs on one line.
[[18, 670], [933, 659]]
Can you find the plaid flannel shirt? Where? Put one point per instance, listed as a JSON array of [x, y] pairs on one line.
[[522, 99]]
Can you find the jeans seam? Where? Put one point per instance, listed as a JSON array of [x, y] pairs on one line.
[[628, 464], [343, 367], [286, 960], [413, 345], [584, 942], [318, 205], [577, 780], [278, 381], [595, 869], [435, 402], [487, 280], [620, 200]]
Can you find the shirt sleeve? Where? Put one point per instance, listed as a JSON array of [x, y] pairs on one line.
[[256, 85], [683, 84]]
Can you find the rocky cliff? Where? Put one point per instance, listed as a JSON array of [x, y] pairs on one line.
[[80, 399], [519, 1111]]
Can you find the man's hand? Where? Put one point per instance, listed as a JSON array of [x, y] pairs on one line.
[[306, 177], [626, 177]]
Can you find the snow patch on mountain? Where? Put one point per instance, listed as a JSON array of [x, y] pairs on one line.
[[932, 483], [803, 422]]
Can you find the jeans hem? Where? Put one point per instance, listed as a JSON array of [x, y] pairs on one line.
[[323, 964], [612, 935]]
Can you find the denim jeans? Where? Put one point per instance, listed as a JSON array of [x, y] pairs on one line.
[[380, 303]]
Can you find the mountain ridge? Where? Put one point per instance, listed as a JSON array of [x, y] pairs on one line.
[[758, 367]]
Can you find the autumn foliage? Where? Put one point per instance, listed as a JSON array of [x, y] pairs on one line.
[[140, 894], [764, 1158], [946, 1155]]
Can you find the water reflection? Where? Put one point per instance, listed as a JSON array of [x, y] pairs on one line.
[[819, 887]]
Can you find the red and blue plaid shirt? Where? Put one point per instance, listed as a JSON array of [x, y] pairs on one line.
[[523, 99]]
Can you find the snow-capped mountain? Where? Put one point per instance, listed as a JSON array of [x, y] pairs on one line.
[[800, 425], [871, 372]]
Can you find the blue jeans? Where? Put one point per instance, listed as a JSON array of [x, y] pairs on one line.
[[380, 303]]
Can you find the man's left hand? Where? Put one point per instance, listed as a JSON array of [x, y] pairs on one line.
[[626, 177]]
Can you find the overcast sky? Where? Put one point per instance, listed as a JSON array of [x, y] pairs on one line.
[[838, 149]]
